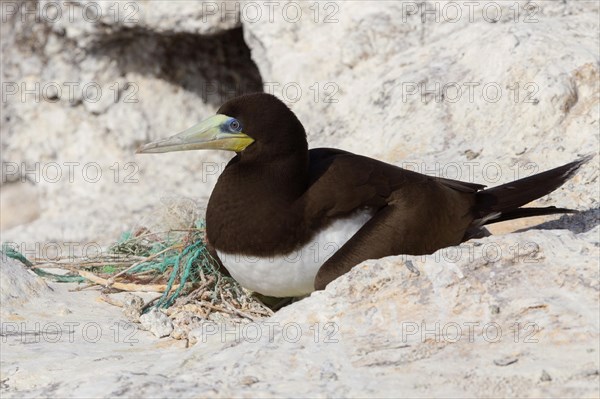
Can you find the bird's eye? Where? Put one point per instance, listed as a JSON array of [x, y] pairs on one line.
[[235, 125]]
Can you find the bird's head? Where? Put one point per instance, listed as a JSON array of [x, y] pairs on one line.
[[253, 125]]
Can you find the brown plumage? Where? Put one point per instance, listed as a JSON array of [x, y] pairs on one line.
[[275, 194]]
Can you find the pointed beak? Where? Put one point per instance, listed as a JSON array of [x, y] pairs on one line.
[[211, 134]]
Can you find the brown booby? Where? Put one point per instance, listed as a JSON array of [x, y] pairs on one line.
[[285, 220]]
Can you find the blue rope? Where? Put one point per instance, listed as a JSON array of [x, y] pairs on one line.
[[14, 254], [191, 254]]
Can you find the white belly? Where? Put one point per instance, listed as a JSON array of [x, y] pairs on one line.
[[293, 274]]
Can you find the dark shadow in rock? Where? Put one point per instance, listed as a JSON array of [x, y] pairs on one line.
[[576, 222], [217, 67]]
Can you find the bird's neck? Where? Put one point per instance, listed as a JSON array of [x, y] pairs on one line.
[[247, 193], [284, 178]]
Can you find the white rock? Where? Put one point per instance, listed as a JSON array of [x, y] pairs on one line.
[[82, 20], [157, 323], [17, 284]]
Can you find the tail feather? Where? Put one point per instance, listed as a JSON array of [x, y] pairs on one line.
[[504, 202], [527, 212]]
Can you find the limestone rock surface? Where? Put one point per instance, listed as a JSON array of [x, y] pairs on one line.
[[498, 91]]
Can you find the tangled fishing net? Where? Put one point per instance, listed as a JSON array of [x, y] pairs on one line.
[[165, 254]]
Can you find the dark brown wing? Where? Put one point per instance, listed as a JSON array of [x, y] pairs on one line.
[[341, 182], [415, 213], [422, 214]]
